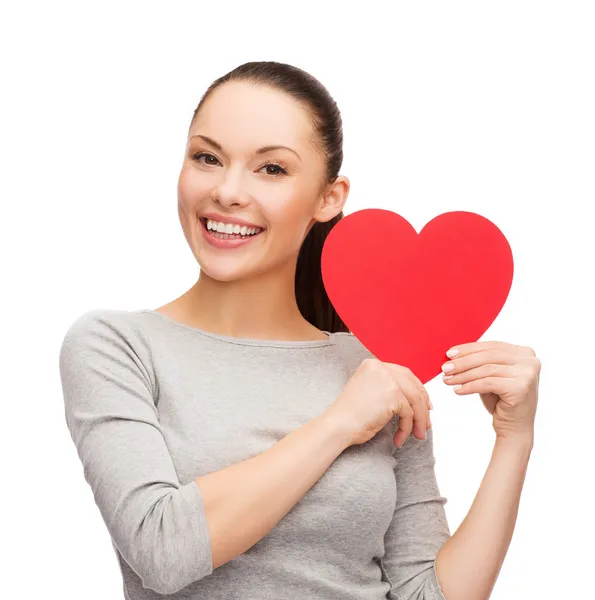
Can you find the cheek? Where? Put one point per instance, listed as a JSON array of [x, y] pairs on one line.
[[191, 187], [288, 221], [287, 211], [190, 193]]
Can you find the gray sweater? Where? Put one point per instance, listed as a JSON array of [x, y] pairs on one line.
[[151, 404]]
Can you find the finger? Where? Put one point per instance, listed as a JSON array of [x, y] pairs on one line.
[[486, 385], [418, 404], [422, 390], [477, 359], [415, 381], [474, 347], [416, 396], [425, 398], [489, 370], [405, 424]]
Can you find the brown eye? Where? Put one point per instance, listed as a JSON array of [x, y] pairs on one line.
[[199, 155], [279, 168]]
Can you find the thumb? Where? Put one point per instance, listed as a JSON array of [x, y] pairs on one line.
[[490, 400]]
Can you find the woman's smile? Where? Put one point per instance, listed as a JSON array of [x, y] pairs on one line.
[[226, 240]]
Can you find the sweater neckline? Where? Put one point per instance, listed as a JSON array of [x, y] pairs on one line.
[[244, 341]]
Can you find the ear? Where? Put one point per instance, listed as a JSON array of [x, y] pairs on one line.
[[333, 199]]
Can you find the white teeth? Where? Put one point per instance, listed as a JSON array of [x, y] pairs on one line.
[[229, 228]]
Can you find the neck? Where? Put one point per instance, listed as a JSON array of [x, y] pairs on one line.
[[261, 307]]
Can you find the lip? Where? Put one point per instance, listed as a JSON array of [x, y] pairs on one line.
[[230, 220], [220, 242]]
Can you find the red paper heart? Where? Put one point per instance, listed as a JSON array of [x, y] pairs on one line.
[[409, 297]]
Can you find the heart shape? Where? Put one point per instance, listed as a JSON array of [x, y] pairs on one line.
[[409, 297]]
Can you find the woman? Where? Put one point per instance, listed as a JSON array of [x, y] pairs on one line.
[[239, 441]]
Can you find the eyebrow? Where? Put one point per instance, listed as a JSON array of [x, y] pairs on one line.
[[262, 150]]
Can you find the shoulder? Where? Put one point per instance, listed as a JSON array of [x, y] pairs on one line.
[[105, 327], [106, 343], [351, 349]]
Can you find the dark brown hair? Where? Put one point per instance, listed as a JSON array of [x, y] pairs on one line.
[[312, 299]]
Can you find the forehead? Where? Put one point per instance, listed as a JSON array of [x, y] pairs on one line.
[[244, 113]]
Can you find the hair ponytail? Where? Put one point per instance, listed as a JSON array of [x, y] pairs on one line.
[[312, 299]]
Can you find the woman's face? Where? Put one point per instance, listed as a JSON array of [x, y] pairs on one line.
[[227, 175]]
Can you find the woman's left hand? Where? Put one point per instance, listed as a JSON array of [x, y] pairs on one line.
[[507, 379]]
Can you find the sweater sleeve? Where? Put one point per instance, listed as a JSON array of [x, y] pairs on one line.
[[419, 527], [157, 524]]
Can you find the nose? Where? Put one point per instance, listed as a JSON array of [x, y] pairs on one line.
[[230, 190]]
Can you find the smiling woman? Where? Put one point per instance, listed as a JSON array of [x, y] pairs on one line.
[[239, 440], [269, 162]]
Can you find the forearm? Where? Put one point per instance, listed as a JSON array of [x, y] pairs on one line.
[[244, 501], [468, 564]]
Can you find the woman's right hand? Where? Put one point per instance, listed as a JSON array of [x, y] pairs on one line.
[[375, 393]]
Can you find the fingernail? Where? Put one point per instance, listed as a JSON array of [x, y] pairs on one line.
[[452, 352]]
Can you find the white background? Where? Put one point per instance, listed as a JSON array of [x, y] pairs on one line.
[[487, 107]]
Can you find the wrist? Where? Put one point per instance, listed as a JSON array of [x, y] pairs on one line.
[[336, 428], [521, 442]]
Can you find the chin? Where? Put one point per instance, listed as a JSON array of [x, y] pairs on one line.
[[225, 273], [222, 275]]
